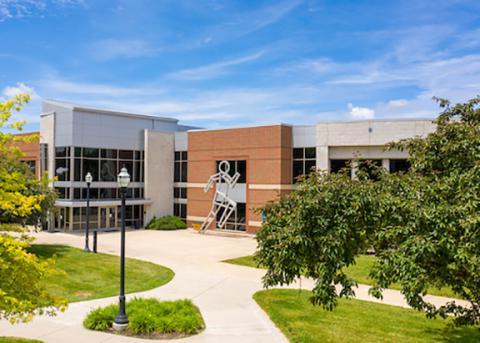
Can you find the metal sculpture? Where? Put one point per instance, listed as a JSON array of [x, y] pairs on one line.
[[221, 202]]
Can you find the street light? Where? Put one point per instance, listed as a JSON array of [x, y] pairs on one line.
[[121, 320], [88, 179]]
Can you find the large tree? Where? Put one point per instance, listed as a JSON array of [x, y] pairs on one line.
[[424, 225], [23, 199]]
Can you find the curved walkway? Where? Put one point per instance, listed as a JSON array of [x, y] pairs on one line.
[[222, 291]]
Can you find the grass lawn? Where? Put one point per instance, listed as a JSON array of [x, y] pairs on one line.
[[355, 321], [4, 339], [359, 271], [85, 276], [150, 318]]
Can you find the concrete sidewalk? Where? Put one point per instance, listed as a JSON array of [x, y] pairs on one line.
[[222, 291]]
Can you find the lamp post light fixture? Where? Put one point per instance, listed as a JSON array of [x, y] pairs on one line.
[[88, 180], [121, 321]]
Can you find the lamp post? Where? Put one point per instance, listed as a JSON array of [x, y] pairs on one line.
[[121, 320], [88, 179]]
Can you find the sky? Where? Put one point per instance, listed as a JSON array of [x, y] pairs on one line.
[[234, 63]]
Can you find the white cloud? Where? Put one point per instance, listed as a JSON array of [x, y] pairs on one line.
[[11, 9], [398, 103], [213, 70], [19, 88], [108, 49], [360, 112]]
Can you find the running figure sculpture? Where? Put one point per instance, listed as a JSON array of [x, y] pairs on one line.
[[221, 203]]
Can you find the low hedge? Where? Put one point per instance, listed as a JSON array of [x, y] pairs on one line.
[[166, 223], [150, 318]]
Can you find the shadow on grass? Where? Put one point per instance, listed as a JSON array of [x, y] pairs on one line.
[[48, 250]]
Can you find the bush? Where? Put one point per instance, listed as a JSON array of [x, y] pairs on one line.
[[150, 317], [166, 223]]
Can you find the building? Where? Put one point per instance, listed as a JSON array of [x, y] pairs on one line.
[[170, 164], [31, 151]]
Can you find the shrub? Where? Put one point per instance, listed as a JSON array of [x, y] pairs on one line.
[[166, 223], [150, 317]]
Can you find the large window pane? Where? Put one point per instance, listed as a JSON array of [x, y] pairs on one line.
[[109, 153], [90, 166], [176, 172], [309, 166], [90, 152], [77, 170], [62, 152], [108, 170], [399, 165], [297, 153], [62, 170], [125, 154], [184, 172], [310, 152], [297, 169], [338, 165]]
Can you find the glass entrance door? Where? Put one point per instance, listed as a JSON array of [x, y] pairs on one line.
[[107, 217]]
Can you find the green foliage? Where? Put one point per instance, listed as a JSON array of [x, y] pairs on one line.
[[150, 317], [83, 276], [23, 199], [424, 225], [18, 340], [166, 223], [355, 321]]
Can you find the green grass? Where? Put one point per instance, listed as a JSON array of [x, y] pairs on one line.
[[5, 339], [151, 318], [85, 276], [359, 272], [355, 321]]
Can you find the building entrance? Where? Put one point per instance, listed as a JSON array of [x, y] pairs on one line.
[[108, 216]]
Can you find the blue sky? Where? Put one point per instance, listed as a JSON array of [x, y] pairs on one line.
[[230, 63]]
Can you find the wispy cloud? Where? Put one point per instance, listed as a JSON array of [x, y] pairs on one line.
[[12, 9], [215, 69], [108, 49]]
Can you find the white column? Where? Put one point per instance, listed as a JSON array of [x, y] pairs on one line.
[[323, 162]]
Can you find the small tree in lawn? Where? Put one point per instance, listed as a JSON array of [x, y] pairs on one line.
[[424, 224], [23, 199]]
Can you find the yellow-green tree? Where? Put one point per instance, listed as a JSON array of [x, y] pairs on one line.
[[23, 198]]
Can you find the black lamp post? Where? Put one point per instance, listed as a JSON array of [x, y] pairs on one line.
[[121, 320], [88, 179]]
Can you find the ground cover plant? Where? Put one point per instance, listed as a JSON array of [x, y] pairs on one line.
[[84, 276], [355, 321], [423, 224], [166, 223], [358, 272], [7, 339], [150, 318]]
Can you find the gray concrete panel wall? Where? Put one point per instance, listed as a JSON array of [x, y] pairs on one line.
[[159, 161]]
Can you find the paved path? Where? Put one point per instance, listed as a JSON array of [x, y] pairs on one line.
[[222, 291]]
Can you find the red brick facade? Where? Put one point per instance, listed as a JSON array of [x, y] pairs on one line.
[[267, 151]]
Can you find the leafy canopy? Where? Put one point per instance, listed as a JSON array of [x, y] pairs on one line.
[[23, 199], [424, 225]]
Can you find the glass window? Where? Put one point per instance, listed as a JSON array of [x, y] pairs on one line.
[[77, 170], [109, 153], [78, 152], [90, 166], [125, 154], [176, 192], [399, 165], [304, 161], [62, 170], [108, 170], [337, 165], [62, 152], [137, 155], [183, 172], [184, 155], [176, 172], [90, 152], [178, 156], [237, 219]]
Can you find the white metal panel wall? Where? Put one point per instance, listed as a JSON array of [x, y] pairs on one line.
[[304, 136]]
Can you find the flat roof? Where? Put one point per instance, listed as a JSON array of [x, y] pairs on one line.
[[83, 108]]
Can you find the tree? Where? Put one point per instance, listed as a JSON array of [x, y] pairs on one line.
[[424, 224], [23, 198]]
